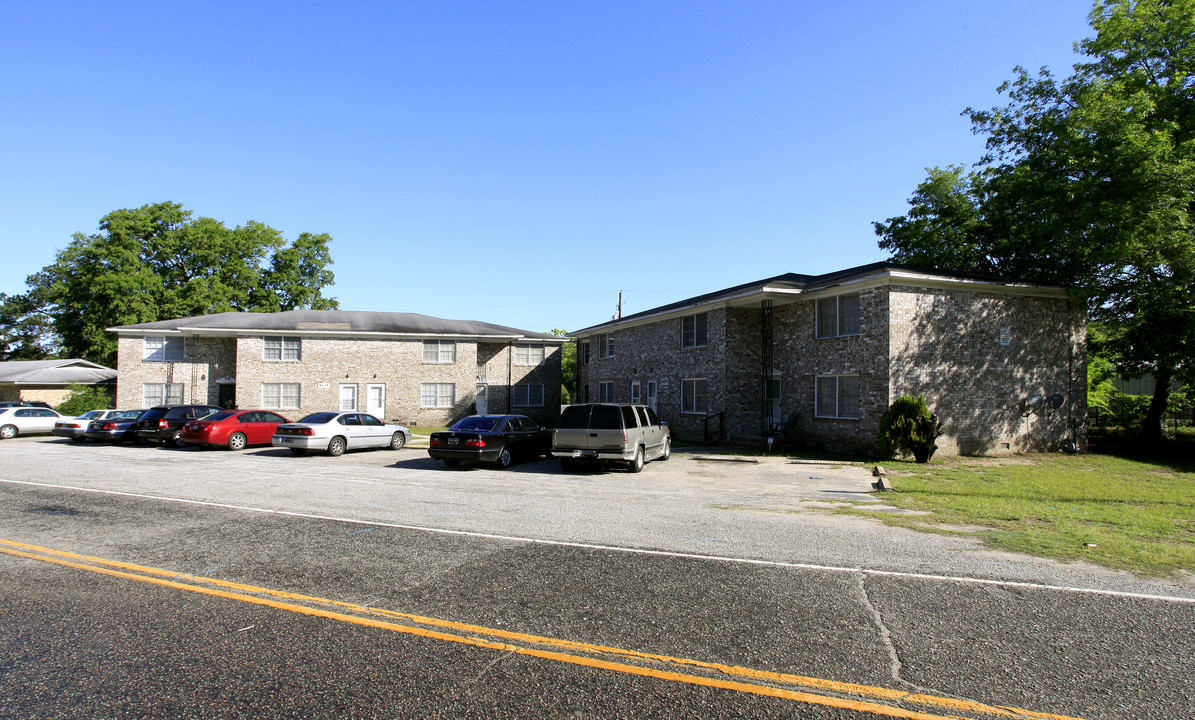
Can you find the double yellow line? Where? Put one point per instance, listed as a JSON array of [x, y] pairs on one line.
[[661, 667]]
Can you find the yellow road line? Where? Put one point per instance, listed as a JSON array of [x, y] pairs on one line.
[[145, 574]]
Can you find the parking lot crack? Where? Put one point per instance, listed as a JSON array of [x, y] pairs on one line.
[[895, 665]]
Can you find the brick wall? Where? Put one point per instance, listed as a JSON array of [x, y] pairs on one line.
[[204, 361]]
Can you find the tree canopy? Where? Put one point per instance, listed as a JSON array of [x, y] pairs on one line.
[[1088, 182], [159, 262]]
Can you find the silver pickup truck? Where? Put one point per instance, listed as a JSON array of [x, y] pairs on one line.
[[597, 432]]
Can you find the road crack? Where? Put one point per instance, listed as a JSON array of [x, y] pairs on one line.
[[895, 665]]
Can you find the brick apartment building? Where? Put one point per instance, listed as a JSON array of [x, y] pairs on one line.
[[821, 357], [401, 367]]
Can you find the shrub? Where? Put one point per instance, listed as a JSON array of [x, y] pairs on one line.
[[84, 398], [909, 428]]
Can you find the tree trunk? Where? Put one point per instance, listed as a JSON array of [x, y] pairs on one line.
[[1153, 430]]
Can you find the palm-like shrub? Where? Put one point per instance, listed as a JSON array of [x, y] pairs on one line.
[[909, 428]]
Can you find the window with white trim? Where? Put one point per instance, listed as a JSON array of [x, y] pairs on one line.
[[529, 395], [282, 349], [837, 396], [694, 331], [159, 348], [838, 316], [636, 391], [439, 351], [527, 354], [605, 346], [162, 394], [694, 396], [605, 392], [280, 396], [437, 395]]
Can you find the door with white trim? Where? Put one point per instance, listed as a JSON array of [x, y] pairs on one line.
[[375, 400]]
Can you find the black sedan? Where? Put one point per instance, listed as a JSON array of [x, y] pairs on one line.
[[115, 429], [497, 439]]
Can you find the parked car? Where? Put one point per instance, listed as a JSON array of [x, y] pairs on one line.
[[75, 427], [27, 421], [599, 432], [336, 432], [164, 423], [490, 438], [25, 403], [234, 429], [116, 430]]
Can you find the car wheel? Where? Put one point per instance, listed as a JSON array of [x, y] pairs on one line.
[[637, 463], [8, 432], [397, 440], [452, 463], [336, 446], [237, 441], [298, 451], [504, 458], [667, 449], [177, 440]]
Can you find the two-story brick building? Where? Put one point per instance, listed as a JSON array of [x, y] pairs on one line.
[[403, 367], [1003, 364]]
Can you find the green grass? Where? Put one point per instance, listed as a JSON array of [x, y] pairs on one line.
[[1121, 513]]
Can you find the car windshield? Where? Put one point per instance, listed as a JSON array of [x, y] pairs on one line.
[[130, 415], [220, 416], [475, 424], [319, 418]]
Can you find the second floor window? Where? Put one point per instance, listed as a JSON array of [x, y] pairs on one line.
[[163, 349], [838, 316], [439, 351], [283, 348], [694, 330], [605, 346], [529, 354]]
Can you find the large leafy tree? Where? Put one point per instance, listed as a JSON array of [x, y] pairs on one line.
[[158, 262], [1089, 181]]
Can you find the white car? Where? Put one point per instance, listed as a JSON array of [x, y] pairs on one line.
[[27, 421], [73, 428], [336, 432]]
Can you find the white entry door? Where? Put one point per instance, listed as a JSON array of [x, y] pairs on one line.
[[482, 400], [348, 398], [375, 401]]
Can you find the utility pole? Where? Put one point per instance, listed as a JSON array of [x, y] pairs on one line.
[[618, 310]]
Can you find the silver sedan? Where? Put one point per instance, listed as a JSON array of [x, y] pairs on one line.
[[336, 432]]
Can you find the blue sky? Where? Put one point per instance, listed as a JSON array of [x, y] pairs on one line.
[[515, 162]]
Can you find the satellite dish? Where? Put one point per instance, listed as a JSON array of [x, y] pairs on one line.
[[1035, 401], [1055, 400]]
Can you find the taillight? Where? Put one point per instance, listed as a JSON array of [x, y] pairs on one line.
[[306, 431], [108, 426], [475, 443], [162, 424], [624, 437], [435, 441]]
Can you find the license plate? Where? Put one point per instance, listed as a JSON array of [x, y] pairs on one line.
[[453, 441], [576, 453], [286, 440]]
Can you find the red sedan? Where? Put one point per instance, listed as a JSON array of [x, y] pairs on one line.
[[234, 429]]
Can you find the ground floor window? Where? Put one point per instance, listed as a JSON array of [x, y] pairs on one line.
[[162, 394], [694, 396], [605, 392], [437, 395], [529, 395], [837, 396], [280, 396]]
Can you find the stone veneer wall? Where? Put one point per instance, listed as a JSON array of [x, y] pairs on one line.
[[204, 361], [653, 352], [946, 345], [395, 363]]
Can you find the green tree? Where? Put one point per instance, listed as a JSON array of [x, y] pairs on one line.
[[158, 262], [24, 332], [568, 368], [1088, 182], [84, 398]]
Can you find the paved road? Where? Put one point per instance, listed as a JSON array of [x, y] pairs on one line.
[[146, 582]]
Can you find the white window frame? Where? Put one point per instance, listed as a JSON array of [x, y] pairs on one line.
[[694, 331], [636, 392], [822, 388], [437, 395], [846, 324], [528, 395], [170, 394], [605, 346], [439, 352], [163, 348], [276, 348], [528, 354], [693, 402], [275, 396], [605, 392]]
